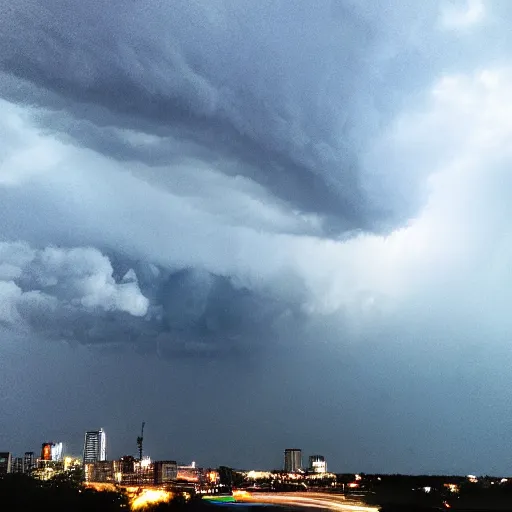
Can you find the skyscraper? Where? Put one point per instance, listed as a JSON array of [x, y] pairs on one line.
[[95, 446], [292, 460]]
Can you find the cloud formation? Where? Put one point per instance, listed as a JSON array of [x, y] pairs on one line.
[[218, 179], [39, 286], [193, 155], [278, 194], [290, 109]]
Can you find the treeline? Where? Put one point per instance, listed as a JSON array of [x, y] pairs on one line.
[[61, 493], [65, 493]]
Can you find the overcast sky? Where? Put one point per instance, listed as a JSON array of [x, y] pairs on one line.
[[258, 225]]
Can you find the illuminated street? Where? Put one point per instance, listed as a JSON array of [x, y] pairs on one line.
[[302, 499]]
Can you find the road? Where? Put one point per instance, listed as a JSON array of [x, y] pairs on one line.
[[324, 501]]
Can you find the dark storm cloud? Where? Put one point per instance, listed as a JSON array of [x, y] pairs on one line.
[[187, 98], [285, 98], [79, 296]]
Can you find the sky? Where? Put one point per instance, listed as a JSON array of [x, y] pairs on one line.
[[256, 226]]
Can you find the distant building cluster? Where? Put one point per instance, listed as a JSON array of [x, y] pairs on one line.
[[49, 463], [129, 471], [293, 462], [95, 468], [139, 474]]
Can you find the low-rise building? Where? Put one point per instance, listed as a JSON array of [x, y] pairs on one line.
[[317, 464], [101, 471], [47, 469], [165, 471], [17, 465], [29, 462]]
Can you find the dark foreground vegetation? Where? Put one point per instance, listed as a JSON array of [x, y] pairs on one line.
[[63, 493], [23, 493], [402, 493], [391, 493]]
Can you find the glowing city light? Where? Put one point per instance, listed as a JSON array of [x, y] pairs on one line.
[[145, 462], [241, 494], [149, 497]]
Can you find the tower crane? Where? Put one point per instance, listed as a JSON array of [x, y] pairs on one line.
[[140, 440]]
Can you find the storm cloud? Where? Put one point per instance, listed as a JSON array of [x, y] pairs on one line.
[[286, 100], [306, 206]]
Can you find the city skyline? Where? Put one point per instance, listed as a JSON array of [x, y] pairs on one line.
[[95, 441], [94, 449], [256, 225]]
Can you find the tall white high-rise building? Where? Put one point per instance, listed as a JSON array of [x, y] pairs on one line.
[[56, 451], [95, 446]]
